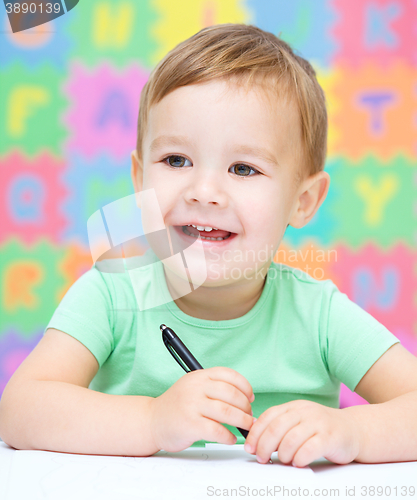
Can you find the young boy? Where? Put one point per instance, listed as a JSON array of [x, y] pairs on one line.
[[232, 139]]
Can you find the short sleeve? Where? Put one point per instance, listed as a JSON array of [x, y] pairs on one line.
[[86, 313], [352, 340]]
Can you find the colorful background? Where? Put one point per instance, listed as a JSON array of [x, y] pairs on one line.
[[70, 93]]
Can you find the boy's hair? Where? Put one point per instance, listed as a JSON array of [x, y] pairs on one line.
[[249, 56]]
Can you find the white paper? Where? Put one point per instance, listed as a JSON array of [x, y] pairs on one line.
[[6, 455], [186, 474], [217, 471]]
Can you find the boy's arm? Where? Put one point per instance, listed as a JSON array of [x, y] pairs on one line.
[[385, 431], [389, 424], [47, 405]]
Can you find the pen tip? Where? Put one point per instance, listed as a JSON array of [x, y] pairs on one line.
[[162, 327]]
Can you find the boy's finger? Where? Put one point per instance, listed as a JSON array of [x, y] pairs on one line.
[[230, 394], [215, 432], [262, 421], [226, 414], [277, 422], [232, 377], [293, 440], [274, 438], [312, 449]]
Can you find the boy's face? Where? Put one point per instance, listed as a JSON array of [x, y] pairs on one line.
[[214, 174]]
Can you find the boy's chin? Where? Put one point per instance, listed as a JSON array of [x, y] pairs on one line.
[[209, 275]]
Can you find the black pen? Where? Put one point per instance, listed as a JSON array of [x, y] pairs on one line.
[[184, 357]]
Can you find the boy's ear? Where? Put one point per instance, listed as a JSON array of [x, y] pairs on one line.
[[136, 171], [310, 195]]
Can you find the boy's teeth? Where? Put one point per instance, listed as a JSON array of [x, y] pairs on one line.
[[204, 228]]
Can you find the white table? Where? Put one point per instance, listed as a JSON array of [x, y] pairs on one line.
[[216, 471]]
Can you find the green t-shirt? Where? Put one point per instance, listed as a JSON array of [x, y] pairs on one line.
[[299, 341]]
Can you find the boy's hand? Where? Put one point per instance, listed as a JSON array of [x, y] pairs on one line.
[[197, 404], [302, 431]]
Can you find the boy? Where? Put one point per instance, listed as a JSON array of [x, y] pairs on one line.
[[232, 139]]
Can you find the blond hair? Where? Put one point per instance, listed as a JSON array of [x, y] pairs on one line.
[[251, 56]]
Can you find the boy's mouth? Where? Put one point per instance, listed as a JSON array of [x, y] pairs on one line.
[[206, 233]]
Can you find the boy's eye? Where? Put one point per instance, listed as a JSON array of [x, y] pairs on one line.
[[242, 170], [177, 160]]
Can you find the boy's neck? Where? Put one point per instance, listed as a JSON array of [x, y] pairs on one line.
[[218, 303]]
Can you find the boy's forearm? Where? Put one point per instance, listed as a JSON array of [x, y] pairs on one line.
[[57, 416], [388, 430]]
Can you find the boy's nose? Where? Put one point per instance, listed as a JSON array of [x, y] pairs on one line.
[[206, 191]]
